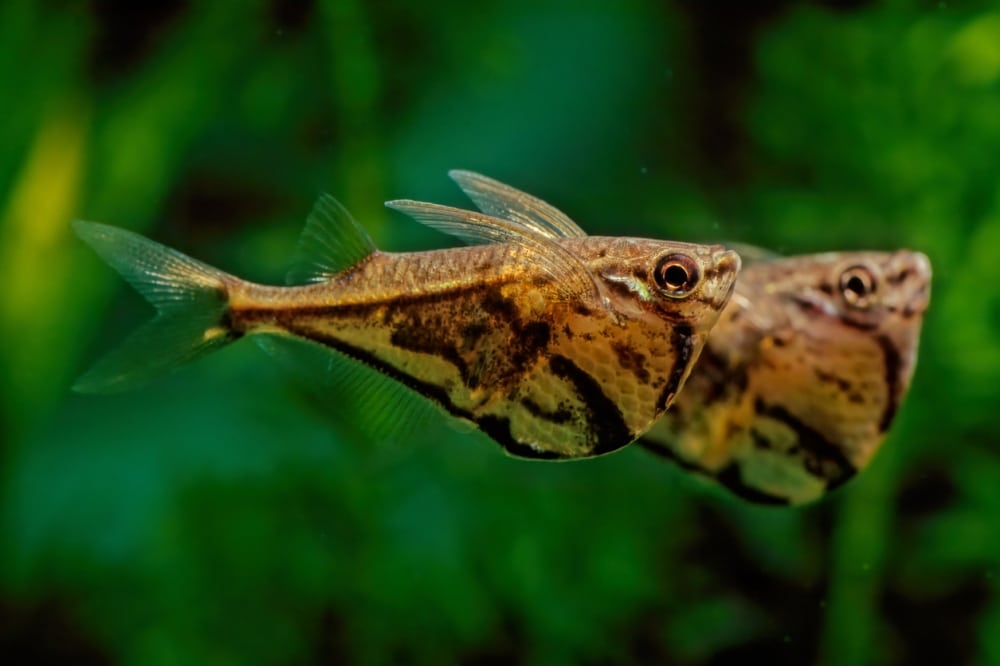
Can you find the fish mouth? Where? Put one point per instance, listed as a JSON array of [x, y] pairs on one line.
[[912, 270], [727, 266]]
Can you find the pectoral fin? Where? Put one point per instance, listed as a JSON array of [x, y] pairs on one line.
[[572, 278], [503, 201]]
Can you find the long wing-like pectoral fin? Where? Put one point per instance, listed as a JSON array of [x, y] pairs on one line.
[[503, 201], [573, 280]]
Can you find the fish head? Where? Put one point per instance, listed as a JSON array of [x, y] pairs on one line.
[[876, 290], [876, 295], [684, 283], [838, 339]]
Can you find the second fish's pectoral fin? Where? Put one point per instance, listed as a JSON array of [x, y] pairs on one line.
[[379, 408], [503, 201], [572, 279], [331, 242]]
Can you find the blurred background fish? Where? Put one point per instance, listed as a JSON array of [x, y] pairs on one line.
[[803, 376], [238, 525]]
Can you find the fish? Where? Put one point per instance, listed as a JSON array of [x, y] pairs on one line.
[[555, 344], [802, 376]]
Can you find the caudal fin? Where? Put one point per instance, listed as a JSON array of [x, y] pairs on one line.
[[191, 302]]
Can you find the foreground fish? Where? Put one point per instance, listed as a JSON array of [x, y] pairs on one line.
[[555, 344], [802, 375]]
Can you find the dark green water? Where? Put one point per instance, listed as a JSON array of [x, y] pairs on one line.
[[215, 517]]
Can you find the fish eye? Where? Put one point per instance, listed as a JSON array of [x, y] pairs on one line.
[[858, 284], [676, 275]]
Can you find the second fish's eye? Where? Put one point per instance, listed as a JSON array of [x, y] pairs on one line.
[[857, 284], [676, 274]]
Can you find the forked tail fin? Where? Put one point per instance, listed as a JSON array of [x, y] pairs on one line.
[[191, 302]]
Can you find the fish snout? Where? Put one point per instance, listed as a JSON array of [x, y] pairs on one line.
[[911, 271], [727, 267]]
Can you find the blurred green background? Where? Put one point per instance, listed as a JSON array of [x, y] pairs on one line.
[[218, 517]]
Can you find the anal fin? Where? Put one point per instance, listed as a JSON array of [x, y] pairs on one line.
[[378, 407]]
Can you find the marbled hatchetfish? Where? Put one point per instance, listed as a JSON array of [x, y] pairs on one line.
[[554, 343]]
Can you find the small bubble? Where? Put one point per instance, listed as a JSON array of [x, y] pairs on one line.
[[787, 639], [643, 170]]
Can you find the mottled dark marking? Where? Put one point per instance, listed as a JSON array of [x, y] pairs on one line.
[[419, 336], [723, 379], [472, 332], [382, 311], [730, 477], [528, 342], [496, 304], [892, 362], [498, 428], [827, 288], [561, 415], [899, 277], [632, 360], [608, 429], [619, 288], [807, 305], [535, 336], [229, 323], [831, 378], [820, 457], [683, 346], [667, 453], [846, 320], [759, 440], [432, 391]]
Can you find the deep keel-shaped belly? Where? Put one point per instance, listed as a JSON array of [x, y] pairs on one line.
[[545, 380], [554, 343]]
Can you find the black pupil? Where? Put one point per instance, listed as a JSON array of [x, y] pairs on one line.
[[857, 285], [675, 276]]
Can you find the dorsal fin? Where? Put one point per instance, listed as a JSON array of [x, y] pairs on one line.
[[503, 201], [573, 279], [331, 242]]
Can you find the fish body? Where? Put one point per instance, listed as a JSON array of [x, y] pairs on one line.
[[555, 344], [802, 376]]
